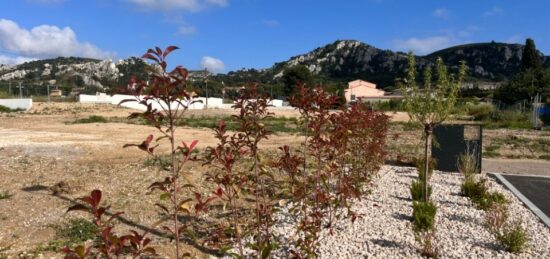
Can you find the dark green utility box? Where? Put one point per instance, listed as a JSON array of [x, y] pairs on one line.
[[453, 140]]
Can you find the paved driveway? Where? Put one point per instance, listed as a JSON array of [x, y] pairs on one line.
[[536, 189]]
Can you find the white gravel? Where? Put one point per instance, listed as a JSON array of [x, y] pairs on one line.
[[385, 230]]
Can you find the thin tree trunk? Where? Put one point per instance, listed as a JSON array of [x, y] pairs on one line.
[[428, 131], [174, 171]]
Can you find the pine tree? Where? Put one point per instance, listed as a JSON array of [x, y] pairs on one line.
[[530, 58]]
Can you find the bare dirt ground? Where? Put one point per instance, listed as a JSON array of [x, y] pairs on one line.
[[48, 162]]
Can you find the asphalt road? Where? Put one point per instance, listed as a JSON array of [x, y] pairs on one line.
[[536, 189], [517, 166]]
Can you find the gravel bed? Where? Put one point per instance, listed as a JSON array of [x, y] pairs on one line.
[[385, 230]]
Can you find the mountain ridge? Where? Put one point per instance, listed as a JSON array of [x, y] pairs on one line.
[[338, 61]]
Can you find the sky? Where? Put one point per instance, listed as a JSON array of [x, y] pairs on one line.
[[227, 35]]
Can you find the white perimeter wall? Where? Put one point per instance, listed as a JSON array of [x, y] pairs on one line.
[[17, 103], [199, 104]]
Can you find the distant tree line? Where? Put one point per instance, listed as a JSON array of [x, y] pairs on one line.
[[532, 80]]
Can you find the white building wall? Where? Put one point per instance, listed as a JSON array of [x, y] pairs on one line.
[[25, 104], [200, 103]]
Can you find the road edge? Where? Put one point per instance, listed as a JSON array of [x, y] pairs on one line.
[[545, 219]]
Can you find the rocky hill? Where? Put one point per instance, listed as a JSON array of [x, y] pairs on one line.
[[339, 61], [349, 59], [74, 72]]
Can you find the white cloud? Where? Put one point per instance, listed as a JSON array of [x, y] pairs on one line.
[[270, 22], [444, 39], [7, 60], [186, 30], [495, 11], [213, 65], [45, 41], [442, 13], [218, 2], [167, 5], [424, 45]]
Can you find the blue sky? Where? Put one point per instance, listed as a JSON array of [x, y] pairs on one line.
[[226, 35]]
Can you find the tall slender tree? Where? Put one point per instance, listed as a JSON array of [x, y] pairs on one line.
[[432, 104], [530, 58]]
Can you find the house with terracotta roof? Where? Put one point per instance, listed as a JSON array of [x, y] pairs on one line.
[[362, 89]]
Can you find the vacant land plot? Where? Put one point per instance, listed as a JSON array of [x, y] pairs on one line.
[[48, 161]]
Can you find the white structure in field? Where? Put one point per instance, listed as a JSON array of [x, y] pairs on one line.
[[13, 104], [102, 98]]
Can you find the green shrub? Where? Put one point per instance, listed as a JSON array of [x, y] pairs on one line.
[[513, 238], [482, 111], [92, 119], [424, 216], [487, 200], [7, 109], [474, 189], [509, 119], [417, 191]]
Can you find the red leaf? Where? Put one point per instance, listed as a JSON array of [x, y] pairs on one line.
[[193, 144], [218, 192], [151, 57], [96, 197], [168, 50]]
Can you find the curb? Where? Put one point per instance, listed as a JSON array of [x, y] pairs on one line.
[[545, 219]]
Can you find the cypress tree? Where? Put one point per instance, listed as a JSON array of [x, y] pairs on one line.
[[530, 58]]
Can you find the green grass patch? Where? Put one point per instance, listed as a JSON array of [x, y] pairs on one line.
[[75, 231], [5, 195], [274, 124], [8, 110], [91, 119], [509, 120]]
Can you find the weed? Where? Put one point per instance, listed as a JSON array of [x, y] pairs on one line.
[[489, 199], [424, 216], [496, 217], [467, 165], [428, 246], [513, 238], [78, 230]]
